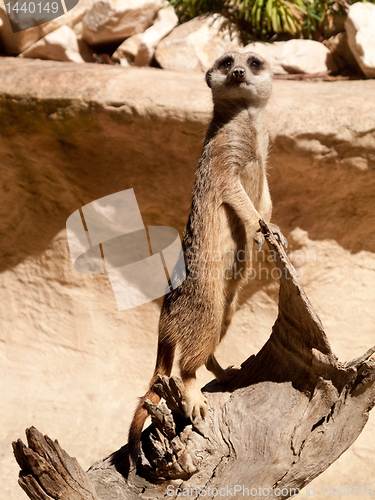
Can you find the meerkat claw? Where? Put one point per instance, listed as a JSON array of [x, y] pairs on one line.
[[195, 408], [199, 412], [279, 235], [259, 239], [283, 240]]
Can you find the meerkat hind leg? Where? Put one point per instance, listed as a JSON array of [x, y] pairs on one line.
[[223, 375], [193, 401]]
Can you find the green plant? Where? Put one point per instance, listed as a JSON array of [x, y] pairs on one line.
[[277, 16], [257, 16], [319, 14], [267, 18]]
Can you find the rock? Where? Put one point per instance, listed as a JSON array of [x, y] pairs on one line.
[[15, 43], [124, 62], [360, 28], [164, 23], [270, 51], [127, 50], [86, 52], [296, 56], [78, 29], [74, 365], [1, 28], [114, 20], [302, 56], [344, 59], [60, 45], [306, 56], [195, 45]]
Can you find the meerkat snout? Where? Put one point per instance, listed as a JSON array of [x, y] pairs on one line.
[[238, 73]]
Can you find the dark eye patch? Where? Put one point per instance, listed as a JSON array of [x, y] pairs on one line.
[[226, 63], [255, 64]]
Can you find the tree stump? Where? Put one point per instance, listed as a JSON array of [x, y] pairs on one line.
[[289, 412]]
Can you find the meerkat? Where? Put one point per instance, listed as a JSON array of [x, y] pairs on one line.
[[230, 196]]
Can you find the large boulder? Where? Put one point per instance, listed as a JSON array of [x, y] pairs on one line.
[[343, 56], [139, 49], [194, 45], [360, 28], [15, 43], [60, 45], [270, 51], [126, 52], [164, 23], [71, 363], [296, 56], [114, 20]]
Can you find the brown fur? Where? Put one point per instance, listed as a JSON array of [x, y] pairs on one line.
[[229, 197]]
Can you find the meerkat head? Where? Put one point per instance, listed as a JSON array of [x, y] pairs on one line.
[[239, 77]]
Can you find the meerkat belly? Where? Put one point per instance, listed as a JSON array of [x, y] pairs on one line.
[[215, 251], [211, 263], [265, 202], [253, 180], [229, 248]]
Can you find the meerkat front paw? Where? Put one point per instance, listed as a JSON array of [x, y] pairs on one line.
[[259, 236], [279, 235], [194, 404]]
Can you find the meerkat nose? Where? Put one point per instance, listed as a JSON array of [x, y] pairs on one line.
[[238, 73]]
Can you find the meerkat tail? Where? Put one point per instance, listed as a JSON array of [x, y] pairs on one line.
[[164, 365], [136, 427]]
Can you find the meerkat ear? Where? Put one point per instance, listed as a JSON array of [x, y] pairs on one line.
[[208, 77]]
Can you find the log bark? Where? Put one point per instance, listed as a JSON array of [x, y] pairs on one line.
[[289, 412]]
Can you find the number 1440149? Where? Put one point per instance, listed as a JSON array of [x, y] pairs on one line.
[[32, 7], [347, 490]]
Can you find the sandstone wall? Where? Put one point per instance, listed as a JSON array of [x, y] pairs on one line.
[[71, 363]]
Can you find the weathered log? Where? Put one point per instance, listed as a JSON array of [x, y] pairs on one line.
[[289, 412], [47, 471]]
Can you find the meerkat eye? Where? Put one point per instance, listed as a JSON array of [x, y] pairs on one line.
[[255, 64], [226, 63]]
